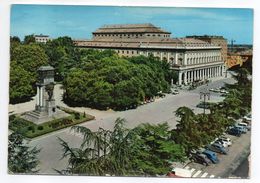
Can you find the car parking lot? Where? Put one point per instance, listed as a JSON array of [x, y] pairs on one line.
[[240, 145]]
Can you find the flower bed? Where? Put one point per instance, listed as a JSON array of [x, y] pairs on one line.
[[32, 130]]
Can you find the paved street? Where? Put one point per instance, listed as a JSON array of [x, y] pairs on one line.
[[159, 111]]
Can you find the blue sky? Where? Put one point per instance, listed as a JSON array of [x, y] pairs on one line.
[[80, 21]]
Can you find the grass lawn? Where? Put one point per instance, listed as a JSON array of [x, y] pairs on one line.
[[31, 130]]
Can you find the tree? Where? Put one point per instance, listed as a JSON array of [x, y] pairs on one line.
[[29, 39], [157, 149], [62, 55], [101, 152], [21, 158], [25, 60], [107, 81], [15, 39], [20, 86]]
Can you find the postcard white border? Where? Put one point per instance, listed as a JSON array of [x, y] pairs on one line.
[[4, 76]]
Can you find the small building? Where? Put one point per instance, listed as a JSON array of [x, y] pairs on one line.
[[41, 38], [193, 59]]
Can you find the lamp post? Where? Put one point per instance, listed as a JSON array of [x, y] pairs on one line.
[[204, 94]]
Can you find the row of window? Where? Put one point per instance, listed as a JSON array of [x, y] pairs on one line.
[[191, 61], [216, 53], [131, 35], [41, 40], [127, 52]]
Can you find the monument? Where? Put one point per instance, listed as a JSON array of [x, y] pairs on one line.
[[45, 108]]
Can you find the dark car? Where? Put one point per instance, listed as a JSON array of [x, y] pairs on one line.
[[201, 158], [218, 148], [212, 156], [235, 132], [206, 105]]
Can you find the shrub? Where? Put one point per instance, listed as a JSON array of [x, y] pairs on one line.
[[30, 128], [77, 115], [40, 127]]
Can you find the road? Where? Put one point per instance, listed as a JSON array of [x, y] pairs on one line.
[[156, 112]]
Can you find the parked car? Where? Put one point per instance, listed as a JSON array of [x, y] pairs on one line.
[[235, 132], [206, 105], [226, 140], [224, 91], [247, 118], [217, 148], [245, 125], [241, 128], [212, 156], [175, 92], [221, 142], [201, 158], [179, 172]]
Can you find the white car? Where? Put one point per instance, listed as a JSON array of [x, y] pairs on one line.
[[223, 143], [247, 118], [226, 140], [245, 125]]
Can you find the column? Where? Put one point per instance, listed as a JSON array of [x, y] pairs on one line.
[[180, 78], [38, 96], [191, 76], [176, 58], [160, 55], [185, 77], [185, 59]]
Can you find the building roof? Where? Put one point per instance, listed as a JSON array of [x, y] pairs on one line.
[[41, 35], [130, 28], [205, 37], [45, 68], [145, 43]]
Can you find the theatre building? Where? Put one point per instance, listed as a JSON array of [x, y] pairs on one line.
[[193, 59]]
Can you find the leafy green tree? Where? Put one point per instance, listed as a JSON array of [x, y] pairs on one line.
[[112, 82], [25, 60], [21, 158], [20, 86], [29, 39], [157, 149], [15, 39], [63, 55], [29, 57]]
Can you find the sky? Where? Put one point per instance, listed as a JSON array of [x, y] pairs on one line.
[[79, 22]]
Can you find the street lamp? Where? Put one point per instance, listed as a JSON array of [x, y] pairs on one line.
[[204, 95]]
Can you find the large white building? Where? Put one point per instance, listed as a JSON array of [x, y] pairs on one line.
[[193, 59]]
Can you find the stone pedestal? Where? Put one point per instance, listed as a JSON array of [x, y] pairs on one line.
[[50, 107], [45, 108]]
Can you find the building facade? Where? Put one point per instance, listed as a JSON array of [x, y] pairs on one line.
[[193, 59], [41, 38], [216, 40]]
